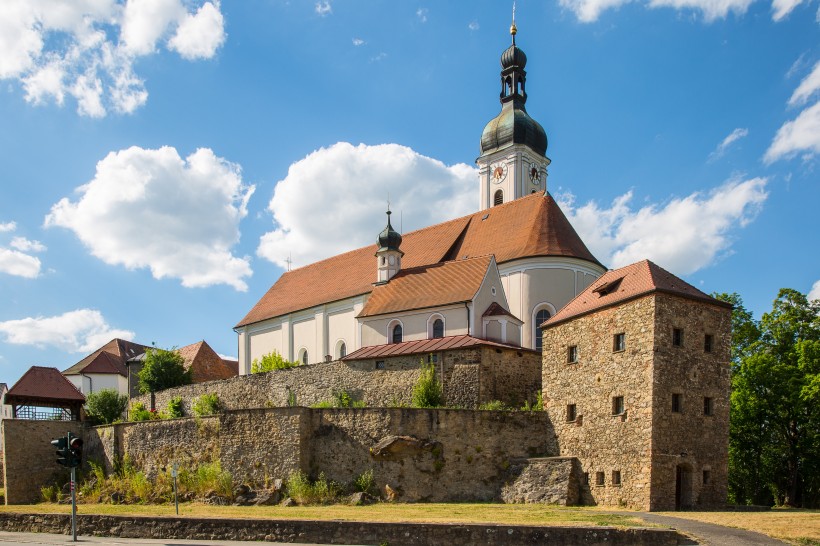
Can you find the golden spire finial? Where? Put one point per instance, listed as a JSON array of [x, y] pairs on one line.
[[513, 28]]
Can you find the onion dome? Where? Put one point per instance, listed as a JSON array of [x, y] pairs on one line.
[[513, 126], [513, 57], [389, 238]]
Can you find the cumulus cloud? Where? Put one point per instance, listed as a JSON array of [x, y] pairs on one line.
[[588, 11], [152, 209], [733, 137], [421, 13], [473, 25], [814, 293], [358, 41], [807, 88], [422, 191], [323, 8], [86, 49], [79, 331], [18, 260], [801, 134], [683, 235]]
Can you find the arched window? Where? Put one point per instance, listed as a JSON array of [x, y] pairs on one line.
[[498, 198], [303, 356], [397, 333], [438, 328], [341, 349], [540, 317]]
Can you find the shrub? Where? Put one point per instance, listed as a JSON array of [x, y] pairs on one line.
[[207, 404], [364, 482], [175, 408], [321, 491], [269, 362], [493, 405], [324, 404], [291, 399], [106, 405], [537, 406], [427, 392], [50, 493], [139, 413], [207, 477], [341, 399]]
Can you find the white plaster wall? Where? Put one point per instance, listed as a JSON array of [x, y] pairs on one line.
[[304, 336], [414, 324], [264, 342], [341, 325]]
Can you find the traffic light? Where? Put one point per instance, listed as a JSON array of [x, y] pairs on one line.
[[63, 452], [75, 448]]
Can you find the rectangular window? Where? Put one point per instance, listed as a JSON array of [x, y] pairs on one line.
[[677, 337], [676, 403], [599, 478], [571, 412], [585, 479], [619, 342], [708, 406], [617, 405], [707, 477], [380, 364], [708, 342], [616, 477], [432, 358], [572, 354]]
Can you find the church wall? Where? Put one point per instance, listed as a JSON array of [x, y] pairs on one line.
[[689, 438], [414, 324], [605, 441], [265, 342], [341, 326], [304, 337]]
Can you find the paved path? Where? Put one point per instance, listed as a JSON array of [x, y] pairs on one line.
[[710, 533]]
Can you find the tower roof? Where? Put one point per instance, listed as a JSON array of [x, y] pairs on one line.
[[389, 238], [528, 227]]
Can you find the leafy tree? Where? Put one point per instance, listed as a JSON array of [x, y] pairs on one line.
[[106, 406], [774, 444], [271, 361], [163, 370]]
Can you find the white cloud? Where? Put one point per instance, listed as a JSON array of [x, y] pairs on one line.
[[8, 226], [19, 264], [323, 8], [802, 134], [682, 235], [152, 209], [80, 331], [86, 49], [380, 57], [588, 11], [814, 293], [733, 137], [421, 13], [807, 88], [473, 25], [422, 191], [358, 41], [24, 245], [781, 8]]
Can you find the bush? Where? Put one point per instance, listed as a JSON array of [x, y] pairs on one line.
[[537, 406], [207, 477], [302, 491], [271, 361], [341, 399], [493, 405], [364, 482], [207, 404], [50, 493], [106, 406], [427, 392], [175, 408], [139, 413]]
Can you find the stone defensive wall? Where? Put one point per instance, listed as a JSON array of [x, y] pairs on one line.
[[469, 378], [336, 532]]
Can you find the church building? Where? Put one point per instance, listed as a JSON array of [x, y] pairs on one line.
[[496, 274]]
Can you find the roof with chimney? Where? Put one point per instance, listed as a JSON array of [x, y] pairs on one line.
[[108, 359]]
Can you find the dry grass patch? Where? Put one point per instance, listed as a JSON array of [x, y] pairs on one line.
[[508, 514], [797, 526]]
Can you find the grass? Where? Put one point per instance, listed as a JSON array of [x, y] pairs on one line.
[[508, 514], [797, 526]]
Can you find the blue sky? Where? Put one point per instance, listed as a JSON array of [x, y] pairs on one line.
[[160, 160]]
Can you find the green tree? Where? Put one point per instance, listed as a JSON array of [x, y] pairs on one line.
[[163, 370], [774, 444], [271, 361], [106, 406]]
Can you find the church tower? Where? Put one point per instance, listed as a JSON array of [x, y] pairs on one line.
[[513, 161], [388, 256]]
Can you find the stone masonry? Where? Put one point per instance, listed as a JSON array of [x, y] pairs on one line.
[[629, 441]]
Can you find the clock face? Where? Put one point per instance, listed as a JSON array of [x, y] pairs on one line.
[[535, 174], [498, 172]]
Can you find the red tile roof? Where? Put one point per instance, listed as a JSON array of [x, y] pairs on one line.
[[530, 226], [496, 310], [428, 286], [110, 358], [628, 283], [46, 385], [424, 346], [205, 363]]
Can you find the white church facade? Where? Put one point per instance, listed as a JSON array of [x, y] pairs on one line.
[[496, 274]]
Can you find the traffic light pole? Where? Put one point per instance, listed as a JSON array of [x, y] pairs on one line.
[[73, 504]]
